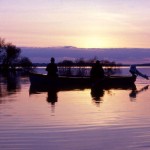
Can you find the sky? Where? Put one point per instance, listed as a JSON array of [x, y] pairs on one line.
[[79, 23]]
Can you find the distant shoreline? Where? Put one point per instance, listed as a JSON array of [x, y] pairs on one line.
[[119, 65]]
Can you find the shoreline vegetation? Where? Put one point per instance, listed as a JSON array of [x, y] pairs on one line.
[[86, 65], [68, 67], [12, 60]]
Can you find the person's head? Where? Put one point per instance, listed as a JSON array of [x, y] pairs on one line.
[[52, 60], [98, 64], [133, 66]]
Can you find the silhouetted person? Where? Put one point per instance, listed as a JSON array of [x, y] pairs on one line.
[[97, 70], [133, 70], [52, 69]]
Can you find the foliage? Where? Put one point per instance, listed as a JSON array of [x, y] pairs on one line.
[[1, 48], [10, 56], [66, 63], [25, 62], [67, 67]]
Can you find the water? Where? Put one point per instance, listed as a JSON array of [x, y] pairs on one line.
[[117, 119]]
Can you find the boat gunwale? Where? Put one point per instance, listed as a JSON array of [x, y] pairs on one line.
[[83, 77]]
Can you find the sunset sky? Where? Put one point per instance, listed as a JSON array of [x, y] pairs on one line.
[[80, 23]]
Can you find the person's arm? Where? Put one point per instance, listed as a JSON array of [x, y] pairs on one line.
[[142, 75]]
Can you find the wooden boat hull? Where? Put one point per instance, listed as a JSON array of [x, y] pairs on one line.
[[62, 82]]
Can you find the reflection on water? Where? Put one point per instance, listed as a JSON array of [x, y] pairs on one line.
[[52, 96], [9, 84], [57, 119], [13, 82], [97, 95], [136, 91]]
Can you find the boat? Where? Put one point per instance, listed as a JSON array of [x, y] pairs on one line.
[[74, 82]]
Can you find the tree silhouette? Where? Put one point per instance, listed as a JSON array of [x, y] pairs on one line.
[[2, 43], [10, 56], [25, 62]]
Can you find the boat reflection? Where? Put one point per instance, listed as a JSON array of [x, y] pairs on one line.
[[97, 93], [52, 97], [135, 92]]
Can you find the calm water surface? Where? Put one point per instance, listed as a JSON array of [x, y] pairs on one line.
[[114, 119]]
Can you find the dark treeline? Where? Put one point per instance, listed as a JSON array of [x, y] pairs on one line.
[[11, 59], [80, 62], [88, 64], [67, 67]]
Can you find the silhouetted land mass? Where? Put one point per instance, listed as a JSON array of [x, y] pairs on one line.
[[87, 64], [11, 59]]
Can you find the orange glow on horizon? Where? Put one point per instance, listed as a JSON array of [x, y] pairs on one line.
[[90, 24]]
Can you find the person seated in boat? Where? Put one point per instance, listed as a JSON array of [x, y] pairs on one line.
[[133, 70], [52, 69], [97, 71]]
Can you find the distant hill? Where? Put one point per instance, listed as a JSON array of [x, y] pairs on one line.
[[119, 55]]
